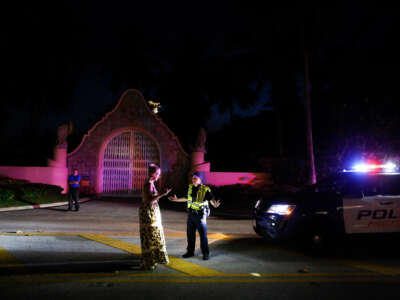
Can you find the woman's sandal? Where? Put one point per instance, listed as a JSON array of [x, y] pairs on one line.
[[149, 268]]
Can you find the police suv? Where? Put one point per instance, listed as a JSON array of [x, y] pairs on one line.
[[359, 202]]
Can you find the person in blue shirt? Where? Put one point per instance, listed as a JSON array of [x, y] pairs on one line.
[[74, 182]]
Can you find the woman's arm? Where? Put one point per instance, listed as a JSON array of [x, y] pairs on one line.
[[154, 198]]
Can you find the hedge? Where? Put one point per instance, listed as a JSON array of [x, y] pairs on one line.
[[21, 190], [6, 195]]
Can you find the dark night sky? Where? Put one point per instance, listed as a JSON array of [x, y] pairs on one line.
[[71, 60]]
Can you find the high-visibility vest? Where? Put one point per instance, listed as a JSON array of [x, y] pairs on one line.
[[198, 203]]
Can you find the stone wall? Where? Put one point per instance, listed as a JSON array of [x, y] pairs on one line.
[[259, 180], [47, 175]]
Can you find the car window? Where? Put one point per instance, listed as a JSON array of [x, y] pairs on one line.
[[325, 186], [338, 184], [369, 185], [355, 185], [389, 185], [372, 186], [350, 187]]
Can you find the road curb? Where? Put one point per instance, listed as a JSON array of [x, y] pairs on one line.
[[34, 206]]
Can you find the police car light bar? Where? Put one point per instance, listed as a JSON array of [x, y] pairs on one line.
[[387, 167]]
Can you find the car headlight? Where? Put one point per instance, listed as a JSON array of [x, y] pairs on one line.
[[281, 209]]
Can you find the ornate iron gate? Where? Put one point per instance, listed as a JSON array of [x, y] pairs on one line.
[[125, 163]]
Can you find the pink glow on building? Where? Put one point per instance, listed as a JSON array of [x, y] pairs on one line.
[[47, 175], [229, 178], [258, 180], [56, 173]]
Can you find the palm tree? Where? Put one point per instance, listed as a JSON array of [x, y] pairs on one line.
[[307, 37], [311, 174]]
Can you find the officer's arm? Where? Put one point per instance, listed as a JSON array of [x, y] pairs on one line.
[[215, 203], [176, 199], [212, 200]]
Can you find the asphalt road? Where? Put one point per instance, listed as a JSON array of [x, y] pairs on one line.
[[94, 254]]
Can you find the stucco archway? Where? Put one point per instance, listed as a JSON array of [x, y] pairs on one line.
[[130, 113]]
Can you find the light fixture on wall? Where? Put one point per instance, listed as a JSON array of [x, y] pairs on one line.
[[154, 106]]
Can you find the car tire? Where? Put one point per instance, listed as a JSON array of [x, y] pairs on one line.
[[315, 243], [318, 241], [257, 230], [262, 233]]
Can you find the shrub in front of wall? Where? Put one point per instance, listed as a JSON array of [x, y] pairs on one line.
[[6, 195], [34, 191]]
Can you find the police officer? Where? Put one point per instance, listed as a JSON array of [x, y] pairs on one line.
[[198, 210], [74, 182]]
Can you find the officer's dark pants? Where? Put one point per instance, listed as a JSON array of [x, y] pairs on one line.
[[73, 198], [197, 221]]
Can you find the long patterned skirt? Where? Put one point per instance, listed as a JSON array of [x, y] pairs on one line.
[[152, 238]]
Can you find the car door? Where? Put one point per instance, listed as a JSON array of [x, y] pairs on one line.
[[372, 206], [386, 216], [355, 205]]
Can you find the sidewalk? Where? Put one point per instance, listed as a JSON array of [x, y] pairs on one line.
[[34, 206]]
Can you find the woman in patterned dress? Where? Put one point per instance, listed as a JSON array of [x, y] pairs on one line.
[[151, 231]]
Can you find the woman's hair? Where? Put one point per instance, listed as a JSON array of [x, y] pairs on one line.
[[153, 168]]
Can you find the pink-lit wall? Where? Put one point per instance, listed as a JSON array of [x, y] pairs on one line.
[[229, 178], [46, 175]]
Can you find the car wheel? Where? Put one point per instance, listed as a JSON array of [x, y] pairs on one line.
[[261, 232], [316, 243], [257, 230], [317, 240]]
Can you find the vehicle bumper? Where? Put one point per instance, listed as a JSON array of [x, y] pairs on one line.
[[274, 226]]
